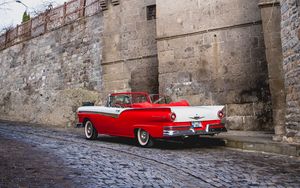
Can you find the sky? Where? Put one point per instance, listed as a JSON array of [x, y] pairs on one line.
[[12, 12]]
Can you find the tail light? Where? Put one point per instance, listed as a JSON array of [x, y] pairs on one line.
[[221, 114], [173, 116]]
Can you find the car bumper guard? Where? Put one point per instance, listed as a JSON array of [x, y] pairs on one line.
[[189, 130]]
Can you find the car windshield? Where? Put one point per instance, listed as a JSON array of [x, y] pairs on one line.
[[126, 100], [160, 99]]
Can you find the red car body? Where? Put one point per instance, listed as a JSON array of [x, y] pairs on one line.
[[127, 113]]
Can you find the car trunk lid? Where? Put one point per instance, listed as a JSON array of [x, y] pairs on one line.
[[196, 113]]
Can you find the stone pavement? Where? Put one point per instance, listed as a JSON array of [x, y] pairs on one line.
[[22, 163], [32, 156]]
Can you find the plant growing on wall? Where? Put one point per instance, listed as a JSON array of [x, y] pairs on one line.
[[26, 17]]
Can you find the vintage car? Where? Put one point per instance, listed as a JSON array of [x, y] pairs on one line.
[[147, 117]]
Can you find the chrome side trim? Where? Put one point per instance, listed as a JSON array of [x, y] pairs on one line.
[[101, 113]]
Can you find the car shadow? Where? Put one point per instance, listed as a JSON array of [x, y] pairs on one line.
[[202, 142], [174, 144]]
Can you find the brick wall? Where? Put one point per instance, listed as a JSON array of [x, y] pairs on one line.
[[290, 28]]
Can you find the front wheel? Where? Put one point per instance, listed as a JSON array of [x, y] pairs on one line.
[[144, 139], [90, 131]]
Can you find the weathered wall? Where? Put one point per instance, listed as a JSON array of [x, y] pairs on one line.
[[271, 17], [212, 52], [45, 79], [290, 32], [209, 52], [130, 53]]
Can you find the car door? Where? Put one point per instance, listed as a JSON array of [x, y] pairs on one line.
[[106, 120]]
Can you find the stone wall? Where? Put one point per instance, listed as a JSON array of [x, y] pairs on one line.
[[45, 79], [290, 32], [130, 54], [208, 52], [271, 17], [212, 52]]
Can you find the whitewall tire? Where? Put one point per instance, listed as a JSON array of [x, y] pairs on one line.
[[90, 131], [144, 139]]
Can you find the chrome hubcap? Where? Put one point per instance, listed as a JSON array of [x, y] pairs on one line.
[[144, 137]]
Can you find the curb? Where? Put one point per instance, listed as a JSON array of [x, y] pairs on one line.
[[277, 148]]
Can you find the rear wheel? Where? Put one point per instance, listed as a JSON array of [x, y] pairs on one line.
[[144, 139], [90, 131]]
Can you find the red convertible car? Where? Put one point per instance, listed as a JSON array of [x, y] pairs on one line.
[[146, 117]]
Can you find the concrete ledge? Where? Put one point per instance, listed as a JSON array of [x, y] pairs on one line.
[[284, 149], [257, 141]]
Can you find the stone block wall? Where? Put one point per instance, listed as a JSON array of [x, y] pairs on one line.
[[208, 52], [45, 79], [213, 52], [290, 32], [130, 54], [271, 17]]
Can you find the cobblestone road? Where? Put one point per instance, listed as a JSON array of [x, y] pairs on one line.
[[37, 157]]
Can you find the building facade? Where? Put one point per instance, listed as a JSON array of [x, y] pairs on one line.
[[240, 53], [213, 52]]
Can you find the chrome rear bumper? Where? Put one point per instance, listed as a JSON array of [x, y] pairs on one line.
[[209, 130]]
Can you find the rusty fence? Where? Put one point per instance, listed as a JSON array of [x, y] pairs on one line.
[[49, 20]]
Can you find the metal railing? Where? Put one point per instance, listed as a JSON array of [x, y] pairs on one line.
[[50, 20]]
